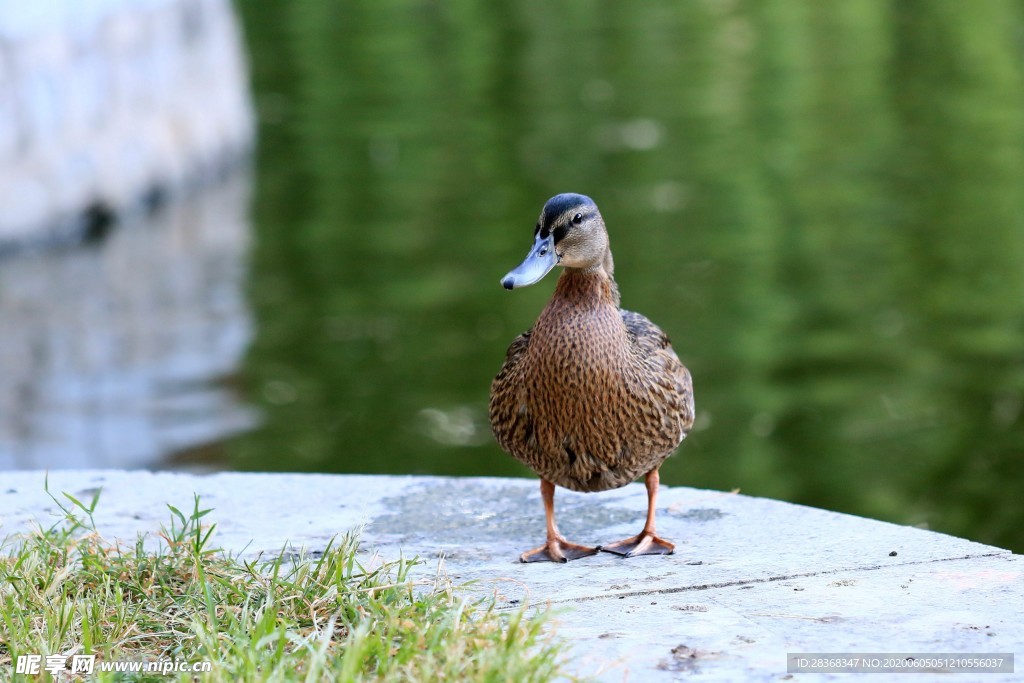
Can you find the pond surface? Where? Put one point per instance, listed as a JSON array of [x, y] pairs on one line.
[[822, 205], [116, 354]]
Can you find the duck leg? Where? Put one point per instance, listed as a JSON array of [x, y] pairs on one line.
[[646, 542], [556, 549]]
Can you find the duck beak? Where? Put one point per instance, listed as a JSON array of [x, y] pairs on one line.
[[538, 263]]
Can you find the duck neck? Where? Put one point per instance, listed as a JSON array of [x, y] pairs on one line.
[[588, 286]]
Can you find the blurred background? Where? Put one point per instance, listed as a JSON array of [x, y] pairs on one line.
[[821, 203]]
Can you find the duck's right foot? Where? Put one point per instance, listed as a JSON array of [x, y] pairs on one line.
[[557, 550]]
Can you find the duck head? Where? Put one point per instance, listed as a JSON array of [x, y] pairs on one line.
[[571, 233]]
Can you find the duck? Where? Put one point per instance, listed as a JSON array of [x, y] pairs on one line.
[[592, 397]]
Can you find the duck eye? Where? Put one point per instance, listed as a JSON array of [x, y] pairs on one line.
[[577, 219]]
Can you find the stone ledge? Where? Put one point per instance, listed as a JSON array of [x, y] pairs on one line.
[[751, 580]]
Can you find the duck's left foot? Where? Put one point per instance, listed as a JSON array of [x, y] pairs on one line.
[[642, 544]]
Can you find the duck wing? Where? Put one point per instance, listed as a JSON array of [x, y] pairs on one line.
[[665, 378], [509, 421]]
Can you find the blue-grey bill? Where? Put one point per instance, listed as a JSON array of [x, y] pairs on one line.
[[538, 263]]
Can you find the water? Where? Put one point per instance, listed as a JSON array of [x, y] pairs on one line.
[[821, 204], [121, 354]]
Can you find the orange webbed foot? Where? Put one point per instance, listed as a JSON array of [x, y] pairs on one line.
[[643, 543], [557, 550]]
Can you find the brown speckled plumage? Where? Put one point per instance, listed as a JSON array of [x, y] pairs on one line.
[[592, 397]]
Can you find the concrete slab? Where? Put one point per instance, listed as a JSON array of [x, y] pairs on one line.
[[752, 579]]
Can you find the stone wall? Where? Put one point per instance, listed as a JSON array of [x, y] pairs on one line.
[[109, 103]]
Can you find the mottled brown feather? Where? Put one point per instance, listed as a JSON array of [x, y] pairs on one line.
[[592, 397]]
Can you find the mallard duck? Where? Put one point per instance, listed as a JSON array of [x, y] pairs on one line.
[[592, 396]]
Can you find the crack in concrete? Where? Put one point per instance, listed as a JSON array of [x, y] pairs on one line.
[[753, 582]]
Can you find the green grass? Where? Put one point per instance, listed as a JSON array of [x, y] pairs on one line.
[[289, 618]]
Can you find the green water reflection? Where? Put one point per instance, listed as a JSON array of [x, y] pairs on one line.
[[820, 202]]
